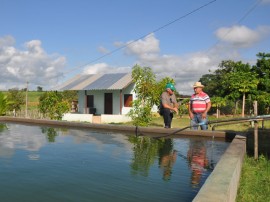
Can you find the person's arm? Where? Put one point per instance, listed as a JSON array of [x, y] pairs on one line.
[[170, 107], [190, 111], [208, 107]]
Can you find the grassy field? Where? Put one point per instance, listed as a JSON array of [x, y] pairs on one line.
[[255, 180], [33, 99]]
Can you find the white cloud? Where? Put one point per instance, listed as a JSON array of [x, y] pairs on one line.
[[32, 64], [143, 47], [242, 36], [184, 69], [36, 66], [189, 68], [104, 68]]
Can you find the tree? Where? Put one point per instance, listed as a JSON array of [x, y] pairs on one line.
[[218, 102], [145, 86], [243, 82], [69, 96], [160, 87], [39, 89], [15, 100], [3, 104], [53, 105]]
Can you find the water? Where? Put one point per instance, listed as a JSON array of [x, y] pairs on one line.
[[53, 164]]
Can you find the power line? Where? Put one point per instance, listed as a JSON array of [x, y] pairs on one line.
[[238, 22], [144, 36]]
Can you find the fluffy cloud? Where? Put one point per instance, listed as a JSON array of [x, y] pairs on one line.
[[184, 69], [143, 47], [104, 68], [32, 64], [242, 36]]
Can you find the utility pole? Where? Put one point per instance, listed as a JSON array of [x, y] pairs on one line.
[[26, 100], [255, 104]]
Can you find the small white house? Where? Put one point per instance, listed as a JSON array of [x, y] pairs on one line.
[[102, 98]]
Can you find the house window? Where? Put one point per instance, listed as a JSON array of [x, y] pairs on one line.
[[128, 100]]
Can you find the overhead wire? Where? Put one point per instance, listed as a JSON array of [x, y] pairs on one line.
[[162, 27], [238, 22], [142, 37]]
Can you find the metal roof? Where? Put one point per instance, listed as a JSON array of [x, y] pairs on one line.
[[113, 81]]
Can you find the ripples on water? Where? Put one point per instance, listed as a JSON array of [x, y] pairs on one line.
[[54, 164]]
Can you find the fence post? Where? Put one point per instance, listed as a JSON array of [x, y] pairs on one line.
[[255, 131]]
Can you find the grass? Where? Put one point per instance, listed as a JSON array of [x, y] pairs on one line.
[[254, 183], [181, 122]]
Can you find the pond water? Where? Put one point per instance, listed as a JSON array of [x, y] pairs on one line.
[[39, 163]]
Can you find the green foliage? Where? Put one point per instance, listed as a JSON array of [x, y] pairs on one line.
[[51, 134], [39, 89], [264, 102], [3, 104], [145, 88], [53, 105], [218, 101], [145, 152], [148, 93], [140, 115], [3, 127], [160, 87], [241, 81], [183, 107], [15, 99], [69, 96], [235, 81], [145, 83]]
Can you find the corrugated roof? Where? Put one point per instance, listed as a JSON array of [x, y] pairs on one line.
[[113, 81]]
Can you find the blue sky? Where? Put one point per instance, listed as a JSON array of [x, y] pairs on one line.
[[48, 42]]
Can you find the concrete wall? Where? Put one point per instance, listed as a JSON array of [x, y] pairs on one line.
[[78, 117], [104, 118]]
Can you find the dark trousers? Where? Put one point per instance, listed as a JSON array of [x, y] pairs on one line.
[[167, 116]]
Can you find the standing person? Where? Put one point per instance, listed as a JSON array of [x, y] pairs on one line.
[[199, 105], [168, 105]]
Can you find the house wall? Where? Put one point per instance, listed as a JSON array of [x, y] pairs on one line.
[[99, 100]]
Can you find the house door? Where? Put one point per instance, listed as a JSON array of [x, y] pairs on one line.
[[90, 101], [108, 103]]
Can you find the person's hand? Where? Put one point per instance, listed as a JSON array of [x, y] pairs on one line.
[[191, 115], [204, 115]]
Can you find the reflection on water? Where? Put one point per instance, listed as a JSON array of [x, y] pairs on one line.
[[53, 164], [167, 158], [198, 160]]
